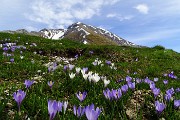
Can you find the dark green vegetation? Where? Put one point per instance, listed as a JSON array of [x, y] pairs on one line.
[[147, 62]]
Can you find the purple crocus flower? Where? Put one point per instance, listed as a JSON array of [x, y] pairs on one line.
[[176, 103], [12, 60], [5, 49], [19, 96], [131, 85], [52, 108], [168, 97], [79, 112], [81, 96], [171, 75], [159, 106], [71, 66], [117, 93], [177, 89], [138, 80], [92, 113], [54, 64], [152, 85], [91, 52], [124, 88], [165, 82], [118, 81], [13, 48], [156, 91], [85, 69], [108, 62], [108, 94], [76, 56], [128, 79], [65, 67], [28, 83], [50, 83], [60, 105], [170, 91], [147, 80]]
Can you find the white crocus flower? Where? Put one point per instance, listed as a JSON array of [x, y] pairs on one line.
[[21, 57], [106, 82], [85, 76], [94, 63], [78, 70], [99, 62], [90, 73], [65, 104], [102, 65], [72, 75], [90, 78], [95, 78], [112, 64]]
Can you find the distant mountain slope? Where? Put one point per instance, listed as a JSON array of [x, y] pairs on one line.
[[81, 32]]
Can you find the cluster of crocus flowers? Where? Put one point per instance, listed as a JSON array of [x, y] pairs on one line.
[[171, 75], [28, 83], [56, 106], [96, 62], [112, 94], [79, 112], [52, 67], [159, 107], [18, 97], [81, 96], [169, 94]]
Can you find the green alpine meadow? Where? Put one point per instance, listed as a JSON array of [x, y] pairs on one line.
[[43, 79]]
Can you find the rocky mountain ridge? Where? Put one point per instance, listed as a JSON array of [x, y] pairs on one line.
[[81, 32]]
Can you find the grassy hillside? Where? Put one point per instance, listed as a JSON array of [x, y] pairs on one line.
[[44, 60]]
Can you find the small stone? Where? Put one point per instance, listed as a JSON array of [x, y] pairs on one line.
[[9, 105], [11, 113]]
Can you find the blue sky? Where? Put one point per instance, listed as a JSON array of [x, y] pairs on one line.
[[144, 22]]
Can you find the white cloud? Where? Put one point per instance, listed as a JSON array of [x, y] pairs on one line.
[[119, 17], [142, 8], [56, 13]]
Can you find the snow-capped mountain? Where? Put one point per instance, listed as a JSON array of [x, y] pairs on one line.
[[81, 32], [85, 33]]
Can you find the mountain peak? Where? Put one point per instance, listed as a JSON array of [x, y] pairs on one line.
[[81, 32]]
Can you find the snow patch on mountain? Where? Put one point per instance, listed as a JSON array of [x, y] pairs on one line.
[[53, 33]]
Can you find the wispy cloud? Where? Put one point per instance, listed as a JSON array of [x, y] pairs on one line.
[[142, 8], [119, 17], [60, 13]]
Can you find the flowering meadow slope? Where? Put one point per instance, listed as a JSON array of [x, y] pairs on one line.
[[44, 79]]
